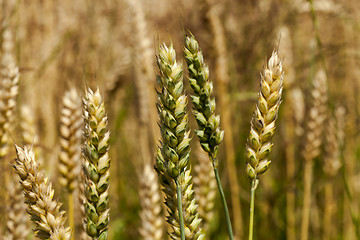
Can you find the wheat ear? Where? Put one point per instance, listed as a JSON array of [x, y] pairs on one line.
[[262, 130], [209, 132], [17, 222], [97, 164], [152, 222], [314, 130], [70, 142], [43, 210], [9, 87], [173, 154], [9, 90]]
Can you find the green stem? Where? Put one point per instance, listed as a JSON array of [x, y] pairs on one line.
[[181, 217], [254, 184], [223, 200]]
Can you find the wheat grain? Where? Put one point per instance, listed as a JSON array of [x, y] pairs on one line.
[[152, 222], [97, 164], [43, 210]]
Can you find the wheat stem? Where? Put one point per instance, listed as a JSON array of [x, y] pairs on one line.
[[225, 207], [71, 214], [307, 200], [181, 217], [254, 184]]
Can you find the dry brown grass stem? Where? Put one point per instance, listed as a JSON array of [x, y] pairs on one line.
[[144, 81], [314, 129], [44, 211], [150, 198], [17, 219], [332, 164], [222, 79], [205, 187]]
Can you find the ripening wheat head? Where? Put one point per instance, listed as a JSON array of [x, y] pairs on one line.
[[205, 187], [70, 141], [9, 80], [150, 198], [263, 121], [17, 227], [209, 132], [316, 116], [96, 165], [44, 211], [173, 155]]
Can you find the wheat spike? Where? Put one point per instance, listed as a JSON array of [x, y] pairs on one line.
[[17, 222], [191, 217], [314, 129], [97, 164], [205, 187], [263, 121], [209, 132], [43, 210], [152, 222], [70, 141], [173, 155], [316, 117], [82, 201], [9, 90]]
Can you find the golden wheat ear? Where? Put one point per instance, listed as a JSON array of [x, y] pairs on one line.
[[44, 211], [150, 199], [259, 143]]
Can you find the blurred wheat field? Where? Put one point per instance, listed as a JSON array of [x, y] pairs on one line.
[[87, 96]]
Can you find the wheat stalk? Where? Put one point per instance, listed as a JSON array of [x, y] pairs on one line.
[[259, 143], [97, 164], [205, 187], [43, 210], [332, 164], [313, 140], [152, 222], [173, 154]]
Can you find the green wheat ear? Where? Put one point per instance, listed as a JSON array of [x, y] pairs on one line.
[[209, 132], [96, 166], [172, 157]]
